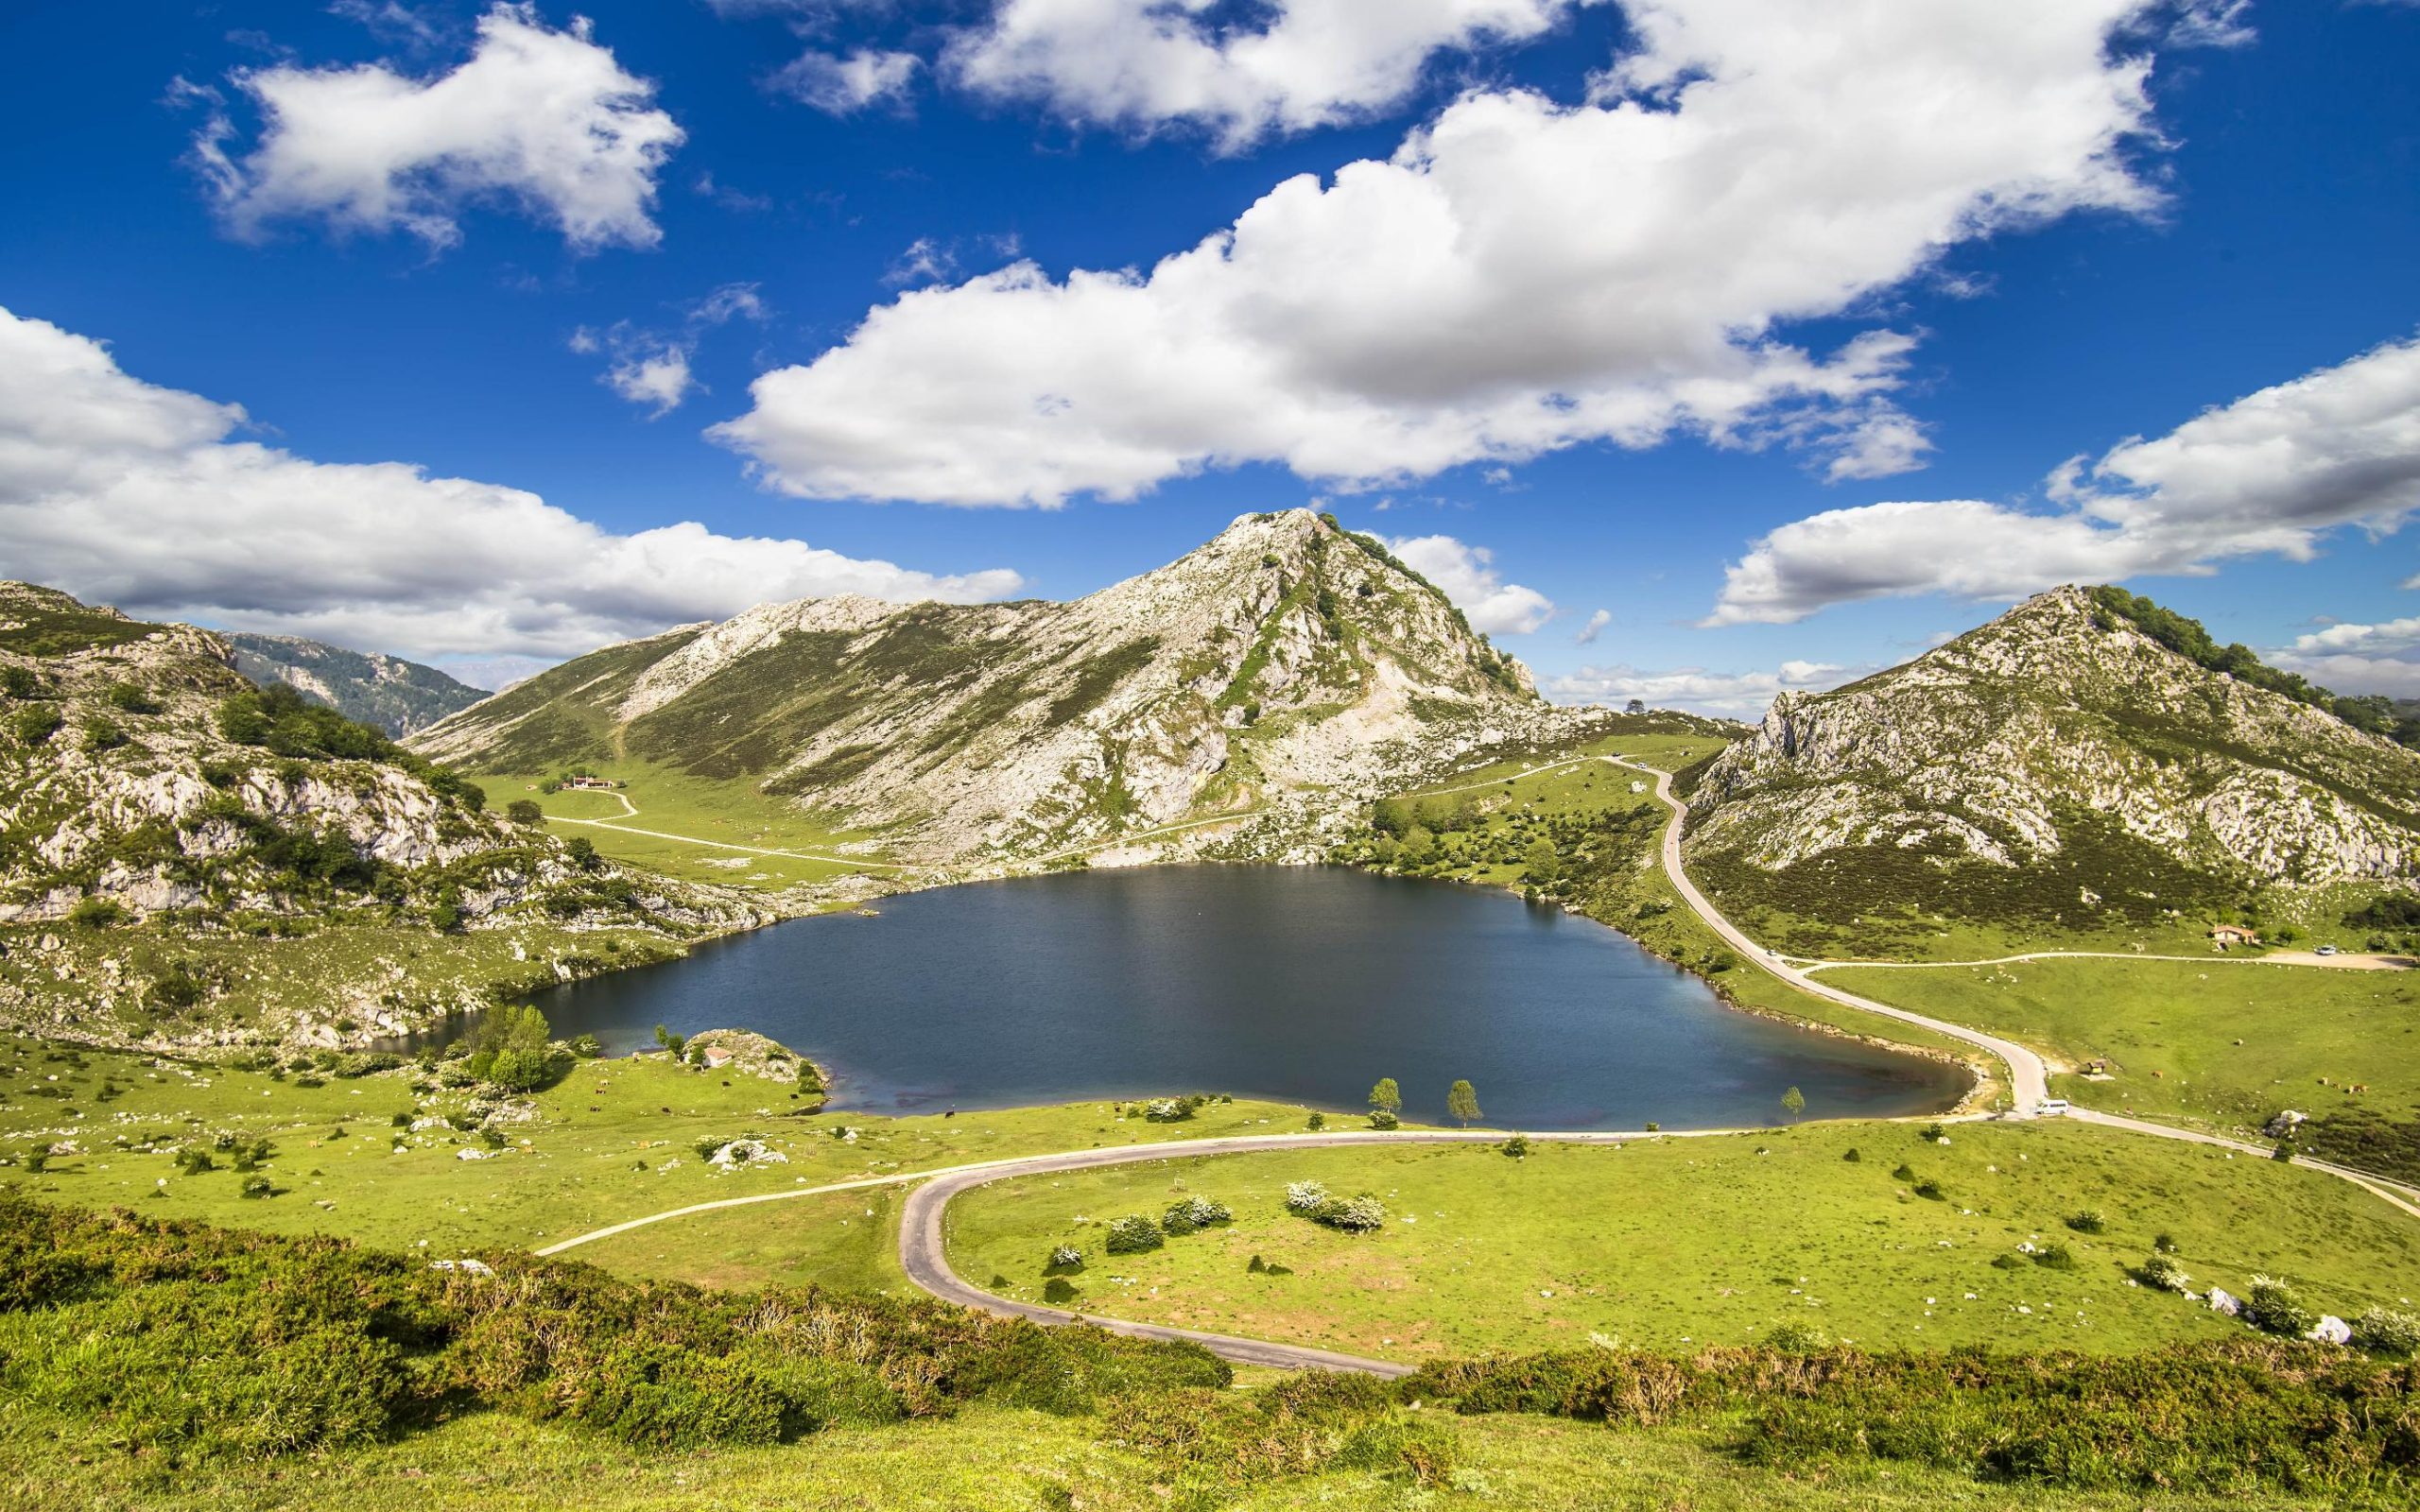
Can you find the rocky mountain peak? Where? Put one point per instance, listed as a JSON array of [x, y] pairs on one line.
[[2066, 733], [1284, 655]]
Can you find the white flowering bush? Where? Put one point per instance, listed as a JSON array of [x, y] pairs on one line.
[[1357, 1215], [2164, 1273], [1066, 1257], [2273, 1307], [1133, 1234], [1304, 1197], [2382, 1332], [1194, 1213]]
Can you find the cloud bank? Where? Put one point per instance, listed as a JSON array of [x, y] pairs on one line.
[[2270, 474], [1520, 275], [1732, 695], [129, 493]]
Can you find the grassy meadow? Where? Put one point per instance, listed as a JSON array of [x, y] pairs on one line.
[[612, 1141], [734, 822], [2228, 1043], [1675, 1244]]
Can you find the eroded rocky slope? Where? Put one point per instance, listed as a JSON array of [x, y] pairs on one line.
[[1279, 671], [145, 783], [2060, 759]]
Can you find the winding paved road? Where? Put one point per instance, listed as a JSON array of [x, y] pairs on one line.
[[2028, 1078]]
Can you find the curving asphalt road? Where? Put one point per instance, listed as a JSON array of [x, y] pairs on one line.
[[2028, 1078]]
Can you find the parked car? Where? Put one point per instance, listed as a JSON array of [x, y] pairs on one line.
[[2052, 1107], [2327, 950]]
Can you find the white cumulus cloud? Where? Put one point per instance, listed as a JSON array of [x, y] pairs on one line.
[[1594, 627], [1732, 695], [1520, 275], [1144, 64], [844, 84], [129, 494], [1467, 576], [543, 119], [2270, 474]]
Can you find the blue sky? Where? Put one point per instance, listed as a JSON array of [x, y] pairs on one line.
[[1659, 302]]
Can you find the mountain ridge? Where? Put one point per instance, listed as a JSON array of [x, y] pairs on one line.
[[1285, 657], [369, 687], [2064, 738]]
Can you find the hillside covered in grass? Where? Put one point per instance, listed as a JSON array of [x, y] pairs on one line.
[[311, 1373], [161, 808]]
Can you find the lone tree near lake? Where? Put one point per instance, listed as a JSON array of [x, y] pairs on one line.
[[1386, 1097], [1462, 1100], [1793, 1102], [509, 1049]]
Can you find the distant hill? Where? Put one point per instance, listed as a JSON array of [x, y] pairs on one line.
[[2064, 762], [387, 692], [1286, 658]]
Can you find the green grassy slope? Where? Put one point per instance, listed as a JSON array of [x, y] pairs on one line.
[[1685, 1242]]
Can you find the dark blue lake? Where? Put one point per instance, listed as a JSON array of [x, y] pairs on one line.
[[1302, 984]]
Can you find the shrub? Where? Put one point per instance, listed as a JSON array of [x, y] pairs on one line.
[[1383, 1118], [1932, 1133], [2087, 1222], [1172, 1109], [1420, 1447], [2162, 1273], [1795, 1338], [1192, 1215], [1133, 1235], [2054, 1257], [1930, 1190], [1066, 1257], [1316, 1121], [1306, 1197], [194, 1162], [2382, 1331], [2275, 1307], [525, 810], [2164, 1243], [1903, 1172], [95, 913], [1354, 1215], [256, 1186], [1517, 1146]]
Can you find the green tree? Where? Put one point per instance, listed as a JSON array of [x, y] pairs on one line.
[[1542, 866], [511, 1048], [669, 1040], [525, 810], [1793, 1102], [1386, 1097], [584, 852], [1462, 1100]]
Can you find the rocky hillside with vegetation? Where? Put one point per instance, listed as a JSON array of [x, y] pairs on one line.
[[2086, 756], [145, 783], [367, 687], [1286, 658]]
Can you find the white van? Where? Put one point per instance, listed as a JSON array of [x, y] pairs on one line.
[[2050, 1108]]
